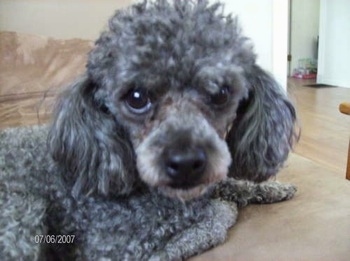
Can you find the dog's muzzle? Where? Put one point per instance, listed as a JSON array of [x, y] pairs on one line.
[[183, 154]]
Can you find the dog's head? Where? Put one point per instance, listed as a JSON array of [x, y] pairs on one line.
[[172, 97]]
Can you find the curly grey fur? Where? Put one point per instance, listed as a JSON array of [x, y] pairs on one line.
[[22, 207], [98, 171], [264, 131], [143, 226]]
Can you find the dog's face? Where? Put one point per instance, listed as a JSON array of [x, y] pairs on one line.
[[172, 96], [178, 128], [176, 92]]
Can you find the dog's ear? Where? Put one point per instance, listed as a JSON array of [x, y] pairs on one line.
[[91, 148], [264, 131]]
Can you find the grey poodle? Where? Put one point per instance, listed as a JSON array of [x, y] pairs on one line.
[[150, 151]]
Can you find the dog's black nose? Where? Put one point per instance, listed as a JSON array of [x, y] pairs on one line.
[[185, 166]]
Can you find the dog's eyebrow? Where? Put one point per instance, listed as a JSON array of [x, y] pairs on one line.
[[213, 78], [154, 88]]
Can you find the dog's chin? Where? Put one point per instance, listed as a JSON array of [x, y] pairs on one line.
[[185, 194]]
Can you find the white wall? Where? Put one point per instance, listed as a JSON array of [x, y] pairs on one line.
[[280, 41], [304, 30], [334, 47], [61, 19], [266, 23]]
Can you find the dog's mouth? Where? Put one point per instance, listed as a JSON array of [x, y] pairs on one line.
[[189, 189], [185, 194], [183, 184]]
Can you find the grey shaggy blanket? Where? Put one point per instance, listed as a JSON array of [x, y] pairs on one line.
[[40, 220]]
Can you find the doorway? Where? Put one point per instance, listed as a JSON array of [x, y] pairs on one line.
[[303, 38]]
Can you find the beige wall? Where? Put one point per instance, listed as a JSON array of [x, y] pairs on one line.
[[58, 18]]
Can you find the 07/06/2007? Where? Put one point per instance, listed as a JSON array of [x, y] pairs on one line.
[[54, 239]]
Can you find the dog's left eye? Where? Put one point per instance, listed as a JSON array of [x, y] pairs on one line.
[[138, 101], [220, 98]]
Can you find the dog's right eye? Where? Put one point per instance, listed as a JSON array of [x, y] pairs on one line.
[[138, 101], [222, 97]]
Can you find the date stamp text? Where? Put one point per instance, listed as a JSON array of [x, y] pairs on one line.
[[54, 239]]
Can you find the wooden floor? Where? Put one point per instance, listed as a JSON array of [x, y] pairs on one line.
[[325, 131]]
